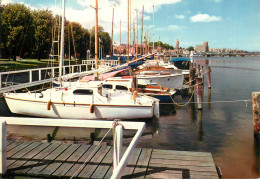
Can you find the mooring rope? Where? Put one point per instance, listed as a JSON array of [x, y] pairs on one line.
[[234, 101]]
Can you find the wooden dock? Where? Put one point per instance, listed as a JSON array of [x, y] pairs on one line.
[[39, 159]]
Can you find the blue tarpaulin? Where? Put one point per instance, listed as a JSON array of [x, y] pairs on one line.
[[179, 59]]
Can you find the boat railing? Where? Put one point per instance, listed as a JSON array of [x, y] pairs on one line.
[[36, 75], [119, 160]]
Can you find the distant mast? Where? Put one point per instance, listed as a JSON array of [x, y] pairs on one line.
[[62, 41], [96, 37], [153, 28]]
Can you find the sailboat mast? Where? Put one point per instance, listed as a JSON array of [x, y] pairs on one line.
[[136, 33], [62, 40], [112, 49], [128, 32], [96, 37], [153, 28], [142, 49]]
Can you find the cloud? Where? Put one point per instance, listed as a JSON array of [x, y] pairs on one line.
[[204, 18], [147, 18], [179, 16], [4, 2], [174, 27]]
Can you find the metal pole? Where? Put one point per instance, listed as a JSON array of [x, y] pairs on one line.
[[96, 37], [142, 32], [62, 40], [153, 28], [128, 32]]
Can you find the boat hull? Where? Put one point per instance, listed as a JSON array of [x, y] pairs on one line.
[[173, 81], [78, 111]]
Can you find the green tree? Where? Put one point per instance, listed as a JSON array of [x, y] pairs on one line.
[[190, 48], [17, 30], [105, 40], [43, 23]]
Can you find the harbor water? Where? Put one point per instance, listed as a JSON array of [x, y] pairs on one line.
[[224, 127]]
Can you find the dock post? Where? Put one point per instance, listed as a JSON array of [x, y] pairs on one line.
[[40, 75], [202, 74], [256, 112], [199, 93], [0, 81], [118, 138], [191, 80], [3, 158], [209, 78], [30, 76]]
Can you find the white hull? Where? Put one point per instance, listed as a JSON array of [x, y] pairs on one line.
[[173, 81], [67, 103], [76, 111]]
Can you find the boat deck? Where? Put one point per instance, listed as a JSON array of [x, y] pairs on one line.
[[39, 159]]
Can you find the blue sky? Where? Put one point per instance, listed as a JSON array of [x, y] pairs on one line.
[[232, 24]]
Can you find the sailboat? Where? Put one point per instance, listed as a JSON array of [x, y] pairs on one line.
[[82, 101]]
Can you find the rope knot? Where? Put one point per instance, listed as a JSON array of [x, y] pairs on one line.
[[116, 123]]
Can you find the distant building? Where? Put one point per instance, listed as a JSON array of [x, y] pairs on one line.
[[202, 48]]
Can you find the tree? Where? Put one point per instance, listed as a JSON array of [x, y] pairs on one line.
[[43, 23], [190, 48], [17, 29], [104, 37]]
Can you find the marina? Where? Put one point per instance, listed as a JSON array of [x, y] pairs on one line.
[[134, 110]]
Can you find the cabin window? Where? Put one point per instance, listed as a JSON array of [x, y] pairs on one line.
[[119, 87], [107, 86], [83, 92]]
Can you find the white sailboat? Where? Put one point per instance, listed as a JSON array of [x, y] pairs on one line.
[[82, 101]]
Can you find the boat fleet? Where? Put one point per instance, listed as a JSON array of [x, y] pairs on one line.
[[132, 90], [120, 94]]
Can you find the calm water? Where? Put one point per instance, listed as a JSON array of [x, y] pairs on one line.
[[224, 127]]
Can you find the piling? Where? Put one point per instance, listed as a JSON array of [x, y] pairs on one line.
[[256, 113], [198, 70], [209, 78], [202, 74], [191, 80], [199, 93]]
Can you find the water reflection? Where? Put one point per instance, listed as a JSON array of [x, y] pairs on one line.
[[209, 98], [257, 153], [199, 132]]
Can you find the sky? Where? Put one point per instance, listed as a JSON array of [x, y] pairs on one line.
[[230, 24]]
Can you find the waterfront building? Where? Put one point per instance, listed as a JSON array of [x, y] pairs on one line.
[[202, 48]]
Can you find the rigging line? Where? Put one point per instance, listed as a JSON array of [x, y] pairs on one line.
[[248, 100], [83, 165], [185, 103]]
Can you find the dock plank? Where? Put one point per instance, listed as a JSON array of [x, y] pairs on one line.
[[52, 167], [143, 161], [129, 170], [56, 160], [94, 162], [69, 163], [36, 170], [21, 153], [13, 145], [34, 161], [86, 157], [104, 166], [17, 164]]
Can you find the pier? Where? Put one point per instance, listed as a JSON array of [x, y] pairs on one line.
[[37, 159], [61, 159]]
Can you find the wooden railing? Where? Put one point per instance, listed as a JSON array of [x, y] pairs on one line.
[[119, 161]]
